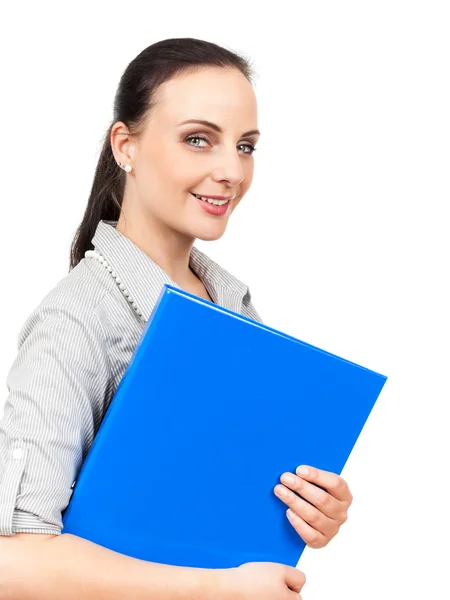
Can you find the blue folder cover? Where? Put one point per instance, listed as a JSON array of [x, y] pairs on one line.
[[211, 410]]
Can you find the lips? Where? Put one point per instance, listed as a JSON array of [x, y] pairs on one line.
[[216, 208]]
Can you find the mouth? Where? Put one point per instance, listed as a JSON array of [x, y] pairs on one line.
[[216, 200]]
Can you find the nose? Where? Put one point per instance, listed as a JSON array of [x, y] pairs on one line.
[[228, 168]]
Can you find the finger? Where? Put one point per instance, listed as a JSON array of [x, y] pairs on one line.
[[311, 537], [321, 499], [309, 513], [333, 483]]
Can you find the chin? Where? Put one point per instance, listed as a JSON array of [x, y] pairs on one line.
[[209, 234]]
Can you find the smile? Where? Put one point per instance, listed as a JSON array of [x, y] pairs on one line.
[[212, 200]]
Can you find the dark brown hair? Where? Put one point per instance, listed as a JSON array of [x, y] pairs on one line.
[[133, 100]]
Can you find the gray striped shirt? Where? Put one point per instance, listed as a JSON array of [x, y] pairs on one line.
[[72, 353]]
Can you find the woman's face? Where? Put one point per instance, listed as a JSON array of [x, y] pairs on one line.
[[173, 159]]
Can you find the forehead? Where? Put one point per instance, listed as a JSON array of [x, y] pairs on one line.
[[220, 95]]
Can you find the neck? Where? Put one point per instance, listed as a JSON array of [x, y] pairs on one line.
[[167, 248]]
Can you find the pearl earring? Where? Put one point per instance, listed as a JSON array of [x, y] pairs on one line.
[[127, 168]]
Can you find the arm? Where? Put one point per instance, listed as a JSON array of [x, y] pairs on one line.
[[41, 567], [66, 567], [58, 387]]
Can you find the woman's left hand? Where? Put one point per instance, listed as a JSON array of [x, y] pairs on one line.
[[318, 520]]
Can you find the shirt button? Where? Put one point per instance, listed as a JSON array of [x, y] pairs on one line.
[[17, 453]]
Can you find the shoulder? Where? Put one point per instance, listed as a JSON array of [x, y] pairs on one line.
[[76, 298], [84, 287]]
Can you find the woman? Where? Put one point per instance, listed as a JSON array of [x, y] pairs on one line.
[[176, 161]]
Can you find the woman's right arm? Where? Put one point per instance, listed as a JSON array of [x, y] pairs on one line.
[[66, 567]]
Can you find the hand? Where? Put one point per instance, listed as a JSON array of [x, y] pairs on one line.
[[261, 581], [319, 519]]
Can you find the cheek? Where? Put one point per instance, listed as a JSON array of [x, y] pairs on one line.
[[163, 157], [184, 172], [165, 173], [248, 176]]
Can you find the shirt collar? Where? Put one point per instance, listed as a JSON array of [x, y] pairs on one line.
[[144, 279]]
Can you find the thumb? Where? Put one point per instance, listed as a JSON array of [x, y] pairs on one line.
[[295, 579]]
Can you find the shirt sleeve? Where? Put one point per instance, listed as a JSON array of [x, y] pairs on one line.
[[58, 386]]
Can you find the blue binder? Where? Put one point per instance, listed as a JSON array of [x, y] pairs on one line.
[[211, 410]]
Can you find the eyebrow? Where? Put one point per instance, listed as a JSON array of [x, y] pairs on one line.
[[216, 127]]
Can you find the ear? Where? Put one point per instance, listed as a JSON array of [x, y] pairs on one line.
[[122, 143]]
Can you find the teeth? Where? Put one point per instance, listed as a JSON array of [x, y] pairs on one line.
[[211, 201]]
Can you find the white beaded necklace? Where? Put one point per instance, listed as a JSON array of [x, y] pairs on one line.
[[125, 292]]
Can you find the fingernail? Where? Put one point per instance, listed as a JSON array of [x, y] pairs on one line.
[[280, 491], [288, 478], [302, 471]]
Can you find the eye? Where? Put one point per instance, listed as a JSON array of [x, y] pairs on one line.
[[195, 137], [250, 148]]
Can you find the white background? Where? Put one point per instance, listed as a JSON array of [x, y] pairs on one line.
[[342, 238]]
